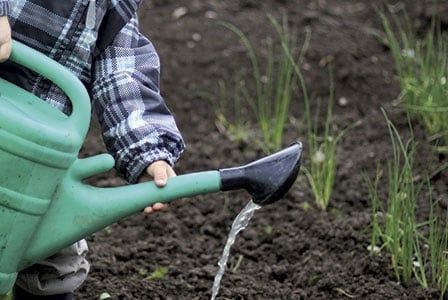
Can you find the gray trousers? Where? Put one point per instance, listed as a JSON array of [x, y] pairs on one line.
[[61, 273]]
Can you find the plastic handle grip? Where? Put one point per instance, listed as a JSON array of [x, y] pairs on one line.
[[62, 77]]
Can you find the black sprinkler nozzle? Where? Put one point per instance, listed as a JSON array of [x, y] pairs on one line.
[[267, 179]]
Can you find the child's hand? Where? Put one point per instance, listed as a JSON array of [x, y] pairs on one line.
[[159, 171], [5, 38]]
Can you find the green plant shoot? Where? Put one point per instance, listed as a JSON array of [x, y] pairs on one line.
[[273, 88], [398, 231], [230, 119], [323, 161], [416, 250], [322, 165], [105, 296], [422, 69], [158, 273]]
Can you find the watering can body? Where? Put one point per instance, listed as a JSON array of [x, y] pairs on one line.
[[45, 204], [38, 146]]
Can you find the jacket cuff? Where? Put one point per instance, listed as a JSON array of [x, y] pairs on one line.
[[4, 7]]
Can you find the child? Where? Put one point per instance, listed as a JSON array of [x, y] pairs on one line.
[[100, 43]]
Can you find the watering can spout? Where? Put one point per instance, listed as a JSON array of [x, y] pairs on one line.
[[266, 179]]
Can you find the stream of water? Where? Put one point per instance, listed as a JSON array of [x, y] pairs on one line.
[[240, 223]]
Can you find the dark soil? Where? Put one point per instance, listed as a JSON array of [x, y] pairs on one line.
[[310, 254]]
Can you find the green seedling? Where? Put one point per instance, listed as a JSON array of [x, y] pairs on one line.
[[398, 232], [236, 263], [322, 167], [273, 88], [305, 206], [105, 296], [322, 149], [158, 273], [230, 118], [268, 230], [422, 69], [418, 250]]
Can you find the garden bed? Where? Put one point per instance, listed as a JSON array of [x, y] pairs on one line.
[[309, 254]]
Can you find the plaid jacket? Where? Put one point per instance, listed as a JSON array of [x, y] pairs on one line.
[[102, 45]]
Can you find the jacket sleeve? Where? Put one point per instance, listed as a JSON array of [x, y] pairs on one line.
[[4, 7], [137, 126]]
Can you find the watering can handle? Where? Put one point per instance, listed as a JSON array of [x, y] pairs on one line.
[[61, 76]]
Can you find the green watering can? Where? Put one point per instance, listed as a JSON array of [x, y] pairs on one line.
[[44, 204]]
